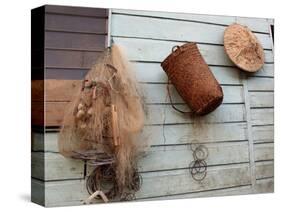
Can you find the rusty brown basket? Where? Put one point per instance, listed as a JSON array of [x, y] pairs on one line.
[[193, 79]]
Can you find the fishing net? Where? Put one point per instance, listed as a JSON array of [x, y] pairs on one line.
[[103, 121]]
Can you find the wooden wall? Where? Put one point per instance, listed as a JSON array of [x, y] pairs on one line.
[[239, 134], [74, 38]]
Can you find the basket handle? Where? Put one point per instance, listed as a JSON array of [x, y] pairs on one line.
[[175, 48], [171, 101]]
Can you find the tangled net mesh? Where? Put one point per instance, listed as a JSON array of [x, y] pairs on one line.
[[104, 120]]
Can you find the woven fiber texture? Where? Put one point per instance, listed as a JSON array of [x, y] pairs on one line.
[[193, 79], [243, 48]]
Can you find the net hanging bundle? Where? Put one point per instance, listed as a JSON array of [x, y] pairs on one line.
[[102, 124]]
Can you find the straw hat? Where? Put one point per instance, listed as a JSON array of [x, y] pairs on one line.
[[243, 48]]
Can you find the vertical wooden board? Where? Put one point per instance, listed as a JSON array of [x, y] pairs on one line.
[[261, 99], [264, 151], [178, 157], [56, 167], [262, 116], [264, 169], [186, 134], [165, 114], [263, 134]]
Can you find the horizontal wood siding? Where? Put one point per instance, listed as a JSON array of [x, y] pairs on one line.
[[238, 134], [74, 39]]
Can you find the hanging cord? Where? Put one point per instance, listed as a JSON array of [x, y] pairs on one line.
[[174, 49], [171, 101]]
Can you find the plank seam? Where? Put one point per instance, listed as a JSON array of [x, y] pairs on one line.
[[172, 40], [183, 20], [194, 192]]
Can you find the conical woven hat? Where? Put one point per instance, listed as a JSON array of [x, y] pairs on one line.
[[243, 48]]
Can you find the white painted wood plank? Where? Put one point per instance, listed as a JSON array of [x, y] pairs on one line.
[[265, 185], [216, 19], [260, 84], [37, 141], [186, 134], [262, 116], [255, 24], [266, 71], [157, 93], [156, 51], [173, 182], [261, 99], [154, 184], [175, 134], [153, 72], [264, 151], [50, 144], [37, 192], [60, 193], [239, 190], [165, 158], [264, 169], [165, 29], [56, 167], [263, 134], [157, 114]]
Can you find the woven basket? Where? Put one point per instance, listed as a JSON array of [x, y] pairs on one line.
[[192, 78]]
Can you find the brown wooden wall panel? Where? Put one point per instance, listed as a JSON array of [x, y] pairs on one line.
[[37, 90], [66, 73], [81, 11], [69, 23], [54, 112], [74, 39], [61, 90], [70, 59]]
